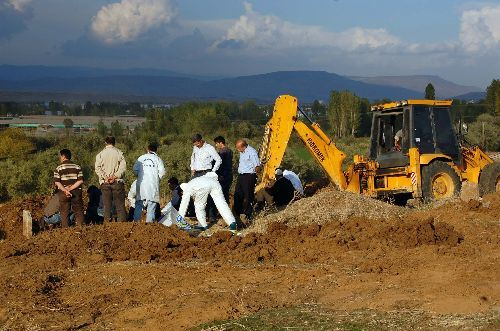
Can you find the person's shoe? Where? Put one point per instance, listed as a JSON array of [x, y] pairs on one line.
[[233, 228], [199, 227]]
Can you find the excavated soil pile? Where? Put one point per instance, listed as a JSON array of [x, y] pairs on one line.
[[11, 215], [306, 243], [330, 205], [338, 250]]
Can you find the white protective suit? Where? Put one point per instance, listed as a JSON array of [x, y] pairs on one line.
[[149, 169], [199, 188], [132, 193], [294, 178]]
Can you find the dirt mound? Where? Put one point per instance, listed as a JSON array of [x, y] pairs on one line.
[[329, 205], [69, 248], [11, 216]]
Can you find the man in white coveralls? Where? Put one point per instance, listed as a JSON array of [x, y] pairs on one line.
[[199, 189]]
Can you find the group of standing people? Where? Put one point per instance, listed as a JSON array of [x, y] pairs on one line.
[[110, 167], [209, 186], [212, 191]]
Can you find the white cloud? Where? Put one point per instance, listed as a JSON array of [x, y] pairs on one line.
[[266, 32], [480, 29], [127, 20], [18, 5]]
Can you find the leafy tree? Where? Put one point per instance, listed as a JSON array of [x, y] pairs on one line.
[[102, 129], [430, 92], [485, 131], [14, 143], [116, 129], [493, 97], [318, 109], [344, 113]]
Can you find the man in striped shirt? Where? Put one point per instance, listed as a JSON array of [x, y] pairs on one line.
[[68, 178]]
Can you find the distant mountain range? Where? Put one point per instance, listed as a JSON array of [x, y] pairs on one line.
[[27, 83], [444, 88]]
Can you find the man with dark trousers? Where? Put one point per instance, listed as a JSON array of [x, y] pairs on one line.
[[110, 167], [204, 157], [225, 171], [249, 166], [68, 178]]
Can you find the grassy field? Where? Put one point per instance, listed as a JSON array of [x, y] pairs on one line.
[[315, 317], [350, 147]]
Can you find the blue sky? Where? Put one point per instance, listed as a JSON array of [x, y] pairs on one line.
[[457, 40]]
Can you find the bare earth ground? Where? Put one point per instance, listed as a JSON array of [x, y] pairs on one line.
[[338, 251]]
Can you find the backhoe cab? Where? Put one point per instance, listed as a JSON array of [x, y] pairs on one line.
[[414, 151]]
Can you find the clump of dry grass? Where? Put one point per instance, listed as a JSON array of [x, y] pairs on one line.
[[326, 206]]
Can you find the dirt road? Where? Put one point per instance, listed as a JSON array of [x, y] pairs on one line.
[[440, 260]]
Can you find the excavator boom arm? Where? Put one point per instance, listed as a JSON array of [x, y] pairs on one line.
[[277, 134]]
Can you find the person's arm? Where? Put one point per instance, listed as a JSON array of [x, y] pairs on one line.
[[76, 185], [63, 189], [122, 167], [136, 168], [161, 168], [99, 168], [192, 162], [216, 157], [79, 181], [256, 161], [186, 196]]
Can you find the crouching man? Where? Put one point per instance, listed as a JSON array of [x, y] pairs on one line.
[[199, 189], [52, 216]]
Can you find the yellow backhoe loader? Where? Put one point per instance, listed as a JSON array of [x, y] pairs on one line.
[[414, 151]]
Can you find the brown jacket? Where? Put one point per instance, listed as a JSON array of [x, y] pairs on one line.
[[110, 162]]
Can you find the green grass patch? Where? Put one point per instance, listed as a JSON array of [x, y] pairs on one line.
[[315, 317]]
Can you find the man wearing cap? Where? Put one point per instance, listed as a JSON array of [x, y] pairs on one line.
[[204, 157], [249, 166]]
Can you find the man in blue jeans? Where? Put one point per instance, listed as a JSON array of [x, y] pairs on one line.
[[52, 216], [149, 169]]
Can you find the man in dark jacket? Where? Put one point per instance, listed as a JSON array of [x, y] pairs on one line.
[[225, 171], [282, 191]]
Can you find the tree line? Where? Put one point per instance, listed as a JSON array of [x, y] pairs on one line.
[[27, 163]]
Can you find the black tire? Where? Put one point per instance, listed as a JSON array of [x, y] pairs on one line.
[[489, 179], [439, 181]]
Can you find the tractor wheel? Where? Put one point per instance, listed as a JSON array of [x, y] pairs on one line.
[[489, 180], [439, 181]]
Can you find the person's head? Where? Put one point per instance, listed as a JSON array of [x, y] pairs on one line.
[[278, 173], [110, 140], [197, 140], [241, 145], [153, 147], [398, 137], [173, 182], [64, 155], [219, 141]]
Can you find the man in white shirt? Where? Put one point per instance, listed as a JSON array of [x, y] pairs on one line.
[[149, 169], [248, 167], [204, 157], [294, 178]]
